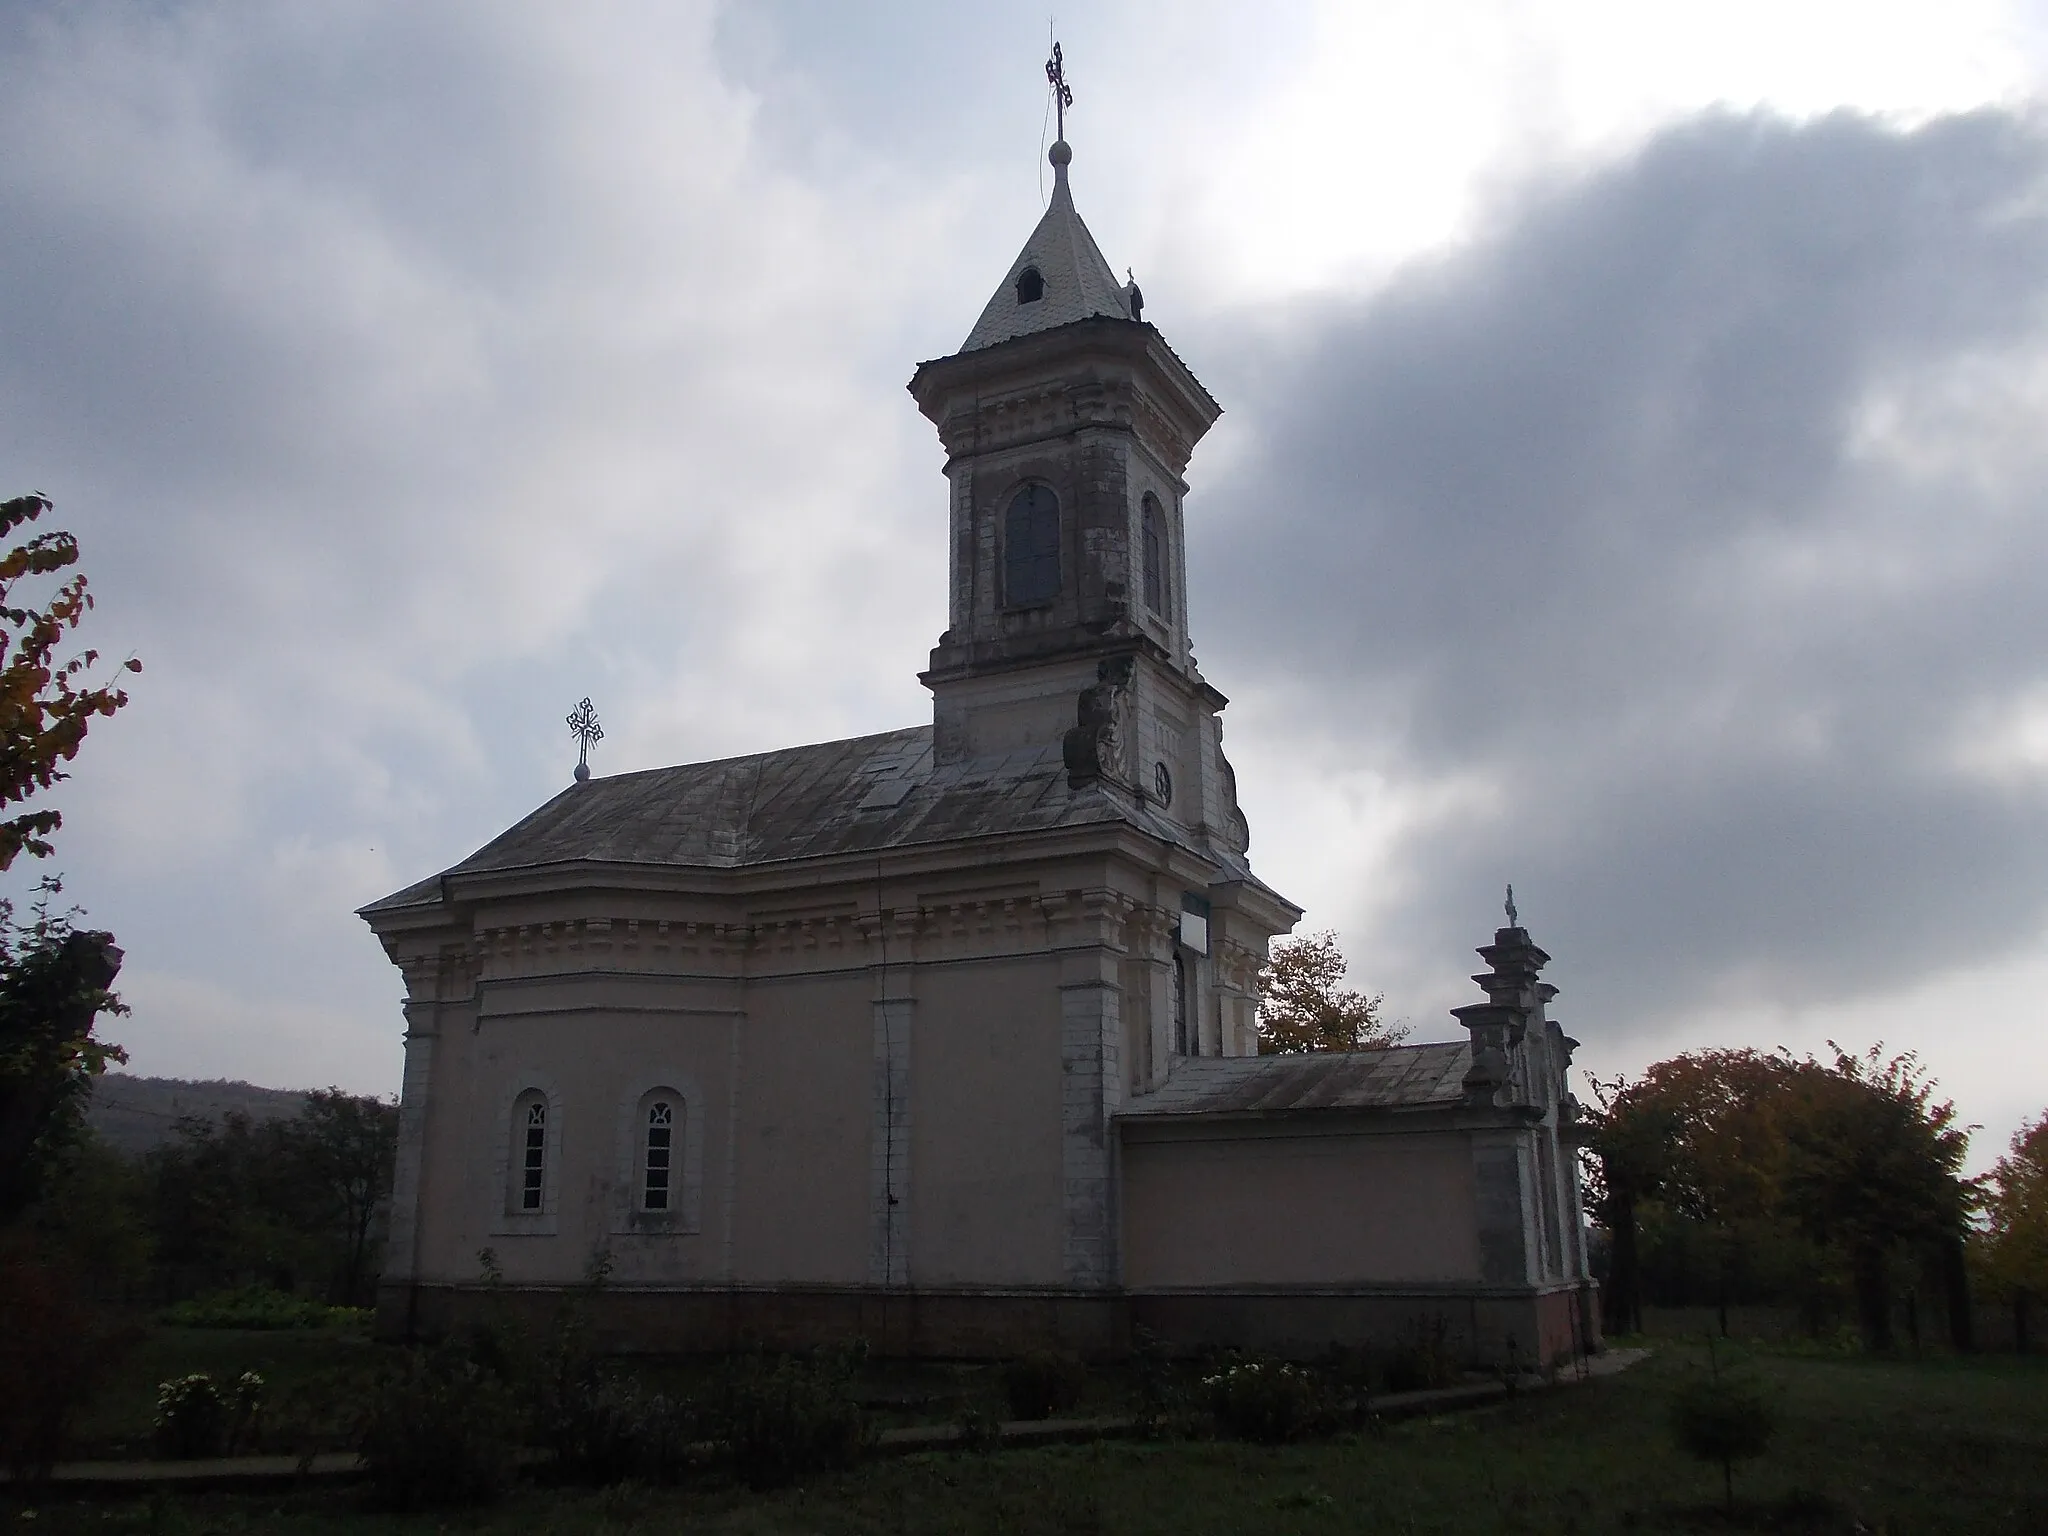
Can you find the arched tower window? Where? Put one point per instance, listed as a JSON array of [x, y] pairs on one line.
[[1030, 286], [1180, 1006], [658, 1155], [1152, 555], [1031, 547], [530, 1148]]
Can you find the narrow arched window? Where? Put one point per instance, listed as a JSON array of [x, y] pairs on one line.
[[1030, 286], [531, 1127], [1180, 1006], [1152, 554], [658, 1161], [1031, 547]]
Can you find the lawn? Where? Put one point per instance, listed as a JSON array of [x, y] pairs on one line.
[[1944, 1445]]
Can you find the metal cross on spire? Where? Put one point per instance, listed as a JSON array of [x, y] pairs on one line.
[[584, 727], [1514, 917], [1062, 93]]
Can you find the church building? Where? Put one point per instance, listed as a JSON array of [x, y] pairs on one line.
[[947, 1037]]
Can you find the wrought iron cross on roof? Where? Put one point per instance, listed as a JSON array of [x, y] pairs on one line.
[[1062, 93], [584, 727]]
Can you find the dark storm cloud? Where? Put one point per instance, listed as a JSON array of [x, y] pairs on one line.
[[1699, 509]]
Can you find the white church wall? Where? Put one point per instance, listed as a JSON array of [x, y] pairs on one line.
[[1317, 1209], [803, 1131], [986, 1153]]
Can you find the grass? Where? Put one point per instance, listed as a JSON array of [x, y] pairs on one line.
[[1940, 1445]]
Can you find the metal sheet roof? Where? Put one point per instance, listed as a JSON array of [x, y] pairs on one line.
[[1078, 281], [867, 793], [1401, 1077]]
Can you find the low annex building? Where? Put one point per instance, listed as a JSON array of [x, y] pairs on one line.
[[946, 1036]]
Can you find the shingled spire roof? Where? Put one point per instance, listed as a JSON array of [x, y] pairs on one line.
[[1076, 283]]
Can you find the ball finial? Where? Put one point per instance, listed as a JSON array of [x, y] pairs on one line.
[[1060, 155]]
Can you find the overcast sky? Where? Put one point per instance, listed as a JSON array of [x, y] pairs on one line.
[[1633, 482]]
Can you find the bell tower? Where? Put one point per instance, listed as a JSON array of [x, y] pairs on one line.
[[1068, 423]]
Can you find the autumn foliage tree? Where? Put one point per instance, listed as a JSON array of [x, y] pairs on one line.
[[1853, 1155], [2013, 1246], [46, 706], [54, 977], [1687, 1134], [1305, 1006]]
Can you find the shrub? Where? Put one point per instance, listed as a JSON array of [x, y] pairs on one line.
[[1041, 1384], [781, 1421], [437, 1431], [191, 1418], [259, 1307], [1421, 1360], [1268, 1402], [605, 1431], [1722, 1417]]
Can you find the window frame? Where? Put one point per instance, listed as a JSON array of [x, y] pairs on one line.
[[510, 1216], [1155, 558], [683, 1215], [1009, 562]]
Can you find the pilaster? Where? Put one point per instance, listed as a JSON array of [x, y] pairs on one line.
[[1091, 1084], [889, 1179], [435, 981]]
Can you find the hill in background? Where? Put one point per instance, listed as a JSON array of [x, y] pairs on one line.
[[133, 1114]]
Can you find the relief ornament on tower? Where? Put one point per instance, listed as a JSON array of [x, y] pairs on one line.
[[1094, 748]]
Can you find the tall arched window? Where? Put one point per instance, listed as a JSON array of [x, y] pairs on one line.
[[1152, 554], [1030, 286], [530, 1130], [659, 1186], [1180, 1006], [1031, 547], [657, 1161]]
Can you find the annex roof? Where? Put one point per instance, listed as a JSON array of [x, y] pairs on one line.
[[1078, 281], [1401, 1077], [864, 794]]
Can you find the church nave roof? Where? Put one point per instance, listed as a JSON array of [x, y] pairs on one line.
[[863, 794]]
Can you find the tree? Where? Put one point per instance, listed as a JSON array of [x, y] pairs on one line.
[[347, 1146], [1304, 1006], [2014, 1243], [1688, 1134], [270, 1201], [54, 981], [54, 978], [45, 708], [1872, 1164]]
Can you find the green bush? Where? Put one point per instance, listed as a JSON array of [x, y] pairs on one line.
[[784, 1420], [1724, 1418], [1269, 1403], [191, 1418], [437, 1431], [258, 1307], [1420, 1361], [600, 1430], [1041, 1384]]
